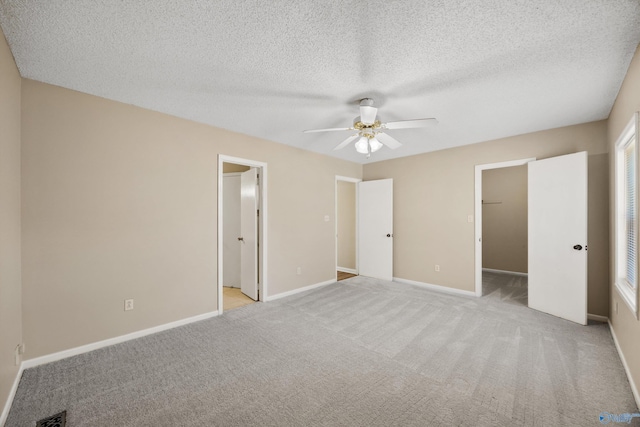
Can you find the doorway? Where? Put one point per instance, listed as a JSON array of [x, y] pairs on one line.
[[372, 229], [232, 295], [242, 236], [346, 190], [505, 235], [479, 198], [556, 231]]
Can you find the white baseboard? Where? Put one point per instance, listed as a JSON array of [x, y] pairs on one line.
[[634, 389], [493, 270], [597, 318], [347, 270], [30, 363], [297, 291], [12, 394], [437, 288]]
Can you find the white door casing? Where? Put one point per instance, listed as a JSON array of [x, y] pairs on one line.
[[248, 240], [375, 229], [557, 232]]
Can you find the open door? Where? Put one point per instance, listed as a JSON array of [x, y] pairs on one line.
[[249, 233], [558, 236], [375, 229]]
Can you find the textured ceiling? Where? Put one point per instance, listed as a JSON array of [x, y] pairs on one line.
[[484, 69]]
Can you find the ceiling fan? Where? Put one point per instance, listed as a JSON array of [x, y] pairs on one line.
[[370, 135]]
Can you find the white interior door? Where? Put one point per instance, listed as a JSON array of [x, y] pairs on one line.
[[248, 239], [558, 236], [375, 229], [231, 227]]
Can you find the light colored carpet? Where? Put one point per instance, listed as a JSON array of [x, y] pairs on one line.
[[361, 352]]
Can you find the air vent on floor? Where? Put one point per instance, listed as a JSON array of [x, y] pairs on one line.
[[57, 420]]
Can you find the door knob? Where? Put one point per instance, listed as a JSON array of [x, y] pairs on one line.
[[388, 235], [241, 239], [578, 247]]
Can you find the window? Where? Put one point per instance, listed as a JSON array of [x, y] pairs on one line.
[[626, 214]]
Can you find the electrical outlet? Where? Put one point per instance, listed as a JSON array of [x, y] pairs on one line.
[[128, 304], [437, 267], [469, 218], [21, 348], [299, 271]]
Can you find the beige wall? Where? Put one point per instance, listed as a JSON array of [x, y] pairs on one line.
[[120, 202], [434, 194], [504, 219], [346, 224], [625, 324], [10, 292]]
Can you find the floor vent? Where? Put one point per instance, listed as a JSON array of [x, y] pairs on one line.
[[57, 420]]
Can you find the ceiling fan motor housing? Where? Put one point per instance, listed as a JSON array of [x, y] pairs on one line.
[[367, 111]]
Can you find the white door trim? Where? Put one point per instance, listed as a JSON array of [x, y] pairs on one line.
[[355, 181], [478, 212], [262, 220]]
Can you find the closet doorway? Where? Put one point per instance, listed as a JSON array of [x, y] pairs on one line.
[[557, 233], [490, 197], [505, 234]]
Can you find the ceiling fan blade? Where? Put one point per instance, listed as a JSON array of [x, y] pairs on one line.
[[325, 130], [346, 142], [368, 114], [408, 124], [389, 141]]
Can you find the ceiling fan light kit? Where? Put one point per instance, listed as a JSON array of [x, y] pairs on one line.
[[367, 144], [362, 145], [370, 136], [375, 145]]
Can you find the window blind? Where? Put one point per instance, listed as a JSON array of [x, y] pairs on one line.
[[630, 211]]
